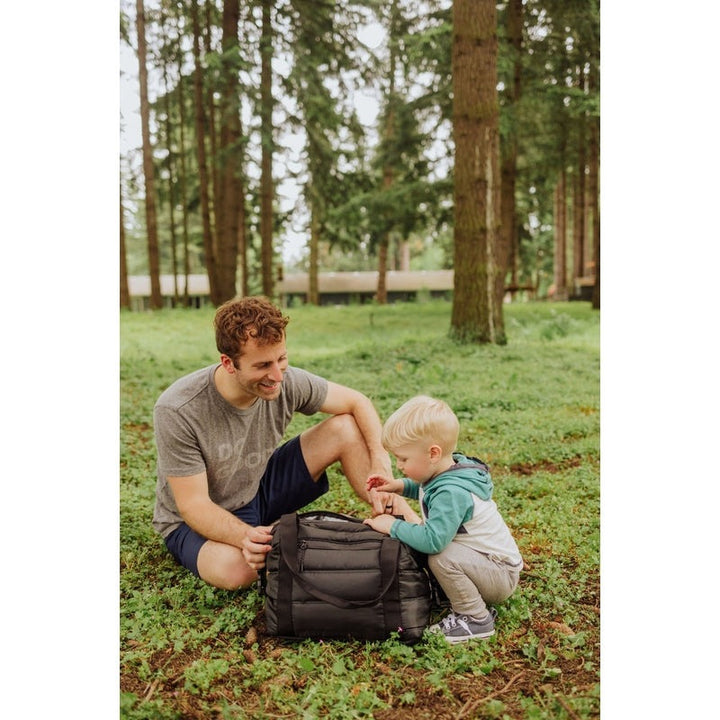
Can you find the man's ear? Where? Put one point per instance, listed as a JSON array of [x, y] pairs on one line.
[[227, 363]]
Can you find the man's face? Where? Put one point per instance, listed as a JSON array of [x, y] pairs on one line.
[[260, 371]]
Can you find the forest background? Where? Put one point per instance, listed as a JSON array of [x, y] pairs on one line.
[[353, 125], [61, 166]]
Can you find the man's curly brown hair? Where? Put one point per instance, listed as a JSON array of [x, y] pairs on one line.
[[238, 320]]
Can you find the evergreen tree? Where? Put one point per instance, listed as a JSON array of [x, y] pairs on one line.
[[166, 57], [476, 314], [267, 146], [322, 39], [216, 296], [230, 200], [509, 145], [124, 287], [148, 165]]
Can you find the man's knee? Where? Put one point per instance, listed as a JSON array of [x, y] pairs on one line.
[[345, 428], [224, 567], [328, 440]]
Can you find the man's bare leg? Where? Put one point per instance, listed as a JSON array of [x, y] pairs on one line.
[[224, 566], [338, 439]]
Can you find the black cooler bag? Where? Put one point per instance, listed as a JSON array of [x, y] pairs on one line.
[[329, 576]]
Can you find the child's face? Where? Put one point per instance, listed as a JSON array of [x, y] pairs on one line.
[[414, 461]]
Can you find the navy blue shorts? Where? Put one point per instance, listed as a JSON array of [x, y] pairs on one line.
[[285, 487]]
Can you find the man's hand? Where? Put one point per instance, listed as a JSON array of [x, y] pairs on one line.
[[383, 503], [256, 545]]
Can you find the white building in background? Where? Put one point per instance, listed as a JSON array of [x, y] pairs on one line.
[[335, 288]]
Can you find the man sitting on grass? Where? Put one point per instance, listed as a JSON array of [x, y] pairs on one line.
[[222, 480]]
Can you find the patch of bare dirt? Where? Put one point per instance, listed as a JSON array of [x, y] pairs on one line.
[[545, 466]]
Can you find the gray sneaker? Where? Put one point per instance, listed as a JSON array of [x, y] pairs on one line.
[[459, 628]]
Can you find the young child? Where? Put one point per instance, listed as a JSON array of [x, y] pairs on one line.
[[470, 549]]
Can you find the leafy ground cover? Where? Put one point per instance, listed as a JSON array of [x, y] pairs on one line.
[[530, 409]]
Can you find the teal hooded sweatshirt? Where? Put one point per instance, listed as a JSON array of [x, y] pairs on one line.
[[447, 504]]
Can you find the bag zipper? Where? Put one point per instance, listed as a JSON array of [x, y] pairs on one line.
[[327, 543], [302, 547]]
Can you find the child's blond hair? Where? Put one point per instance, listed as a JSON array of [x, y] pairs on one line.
[[422, 419]]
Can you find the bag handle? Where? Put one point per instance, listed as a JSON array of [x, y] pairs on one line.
[[389, 553]]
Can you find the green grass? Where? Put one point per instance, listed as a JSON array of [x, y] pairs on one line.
[[530, 409]]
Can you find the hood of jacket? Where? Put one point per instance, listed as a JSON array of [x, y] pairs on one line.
[[468, 473]]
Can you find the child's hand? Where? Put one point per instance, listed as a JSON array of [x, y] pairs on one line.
[[379, 482], [381, 523]]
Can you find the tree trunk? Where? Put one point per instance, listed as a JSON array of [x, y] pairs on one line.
[[579, 205], [388, 170], [404, 253], [209, 90], [266, 179], [230, 186], [241, 258], [170, 167], [510, 240], [381, 294], [596, 288], [148, 165], [208, 239], [594, 192], [183, 187], [313, 280], [124, 287], [242, 249], [508, 250], [560, 264], [476, 313]]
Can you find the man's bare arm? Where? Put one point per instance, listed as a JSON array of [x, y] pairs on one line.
[[215, 523]]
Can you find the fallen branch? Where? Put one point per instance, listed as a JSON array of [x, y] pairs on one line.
[[569, 710], [151, 689]]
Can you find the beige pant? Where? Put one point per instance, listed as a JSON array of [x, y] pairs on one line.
[[472, 580]]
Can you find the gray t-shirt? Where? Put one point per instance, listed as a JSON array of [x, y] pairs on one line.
[[197, 430]]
